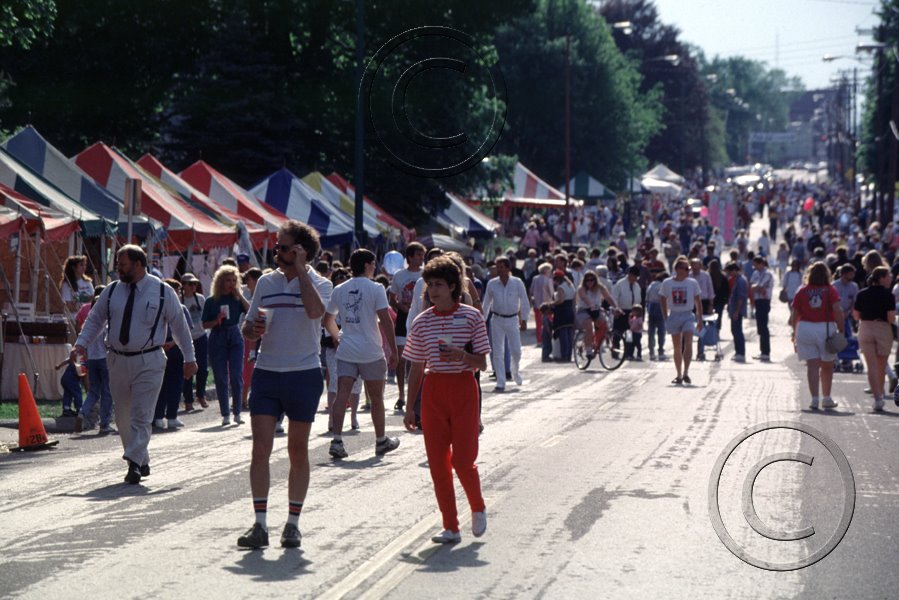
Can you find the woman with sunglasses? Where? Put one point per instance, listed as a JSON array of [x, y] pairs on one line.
[[589, 316]]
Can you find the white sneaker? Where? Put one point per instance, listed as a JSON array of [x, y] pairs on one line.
[[478, 523], [159, 423], [828, 402], [447, 537], [226, 421], [878, 404], [239, 420], [739, 358], [516, 377], [813, 404], [279, 427], [175, 423]]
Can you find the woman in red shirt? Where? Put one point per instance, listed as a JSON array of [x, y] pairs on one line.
[[446, 345], [815, 316]]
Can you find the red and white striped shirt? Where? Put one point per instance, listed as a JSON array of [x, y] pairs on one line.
[[457, 327]]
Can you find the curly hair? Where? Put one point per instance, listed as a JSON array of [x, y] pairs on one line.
[[443, 267], [304, 235], [218, 280]]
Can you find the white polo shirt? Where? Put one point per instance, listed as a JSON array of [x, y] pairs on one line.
[[293, 339]]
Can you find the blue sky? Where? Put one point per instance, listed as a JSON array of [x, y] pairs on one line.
[[804, 31]]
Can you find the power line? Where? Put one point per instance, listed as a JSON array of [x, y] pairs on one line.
[[812, 41]]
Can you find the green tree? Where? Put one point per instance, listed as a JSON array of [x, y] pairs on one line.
[[611, 121]]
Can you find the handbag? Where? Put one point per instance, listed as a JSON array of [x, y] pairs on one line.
[[783, 295], [835, 342]]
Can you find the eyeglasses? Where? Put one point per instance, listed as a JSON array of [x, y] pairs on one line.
[[681, 268], [282, 248]]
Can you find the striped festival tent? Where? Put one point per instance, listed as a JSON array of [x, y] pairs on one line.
[[346, 205], [185, 225], [465, 221], [292, 196], [225, 192], [379, 213]]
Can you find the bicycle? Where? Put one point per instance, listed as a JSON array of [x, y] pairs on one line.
[[608, 346]]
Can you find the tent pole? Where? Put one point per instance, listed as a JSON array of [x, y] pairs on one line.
[[102, 272], [18, 286], [72, 244], [37, 263]]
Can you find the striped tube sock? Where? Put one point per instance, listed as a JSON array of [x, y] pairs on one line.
[[260, 506], [295, 509]]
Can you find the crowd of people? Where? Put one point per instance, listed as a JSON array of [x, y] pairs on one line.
[[277, 340]]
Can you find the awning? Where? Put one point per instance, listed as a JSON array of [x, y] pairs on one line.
[[11, 222], [29, 148], [54, 224], [292, 196], [657, 186], [464, 220], [185, 225], [663, 173], [379, 213], [21, 178], [346, 205], [233, 197], [540, 202], [173, 184]]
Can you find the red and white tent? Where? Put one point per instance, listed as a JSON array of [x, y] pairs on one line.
[[10, 222], [530, 190], [54, 224], [184, 224], [176, 185], [226, 193]]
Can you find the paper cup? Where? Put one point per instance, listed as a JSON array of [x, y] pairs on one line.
[[226, 310], [265, 314]]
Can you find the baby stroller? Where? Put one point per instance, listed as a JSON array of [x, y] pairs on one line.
[[849, 361], [709, 335]]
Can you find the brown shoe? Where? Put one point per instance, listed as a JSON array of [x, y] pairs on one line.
[[203, 402], [188, 407]]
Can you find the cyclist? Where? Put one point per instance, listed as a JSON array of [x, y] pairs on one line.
[[590, 317]]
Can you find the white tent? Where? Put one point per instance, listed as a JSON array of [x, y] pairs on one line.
[[663, 173], [659, 186]]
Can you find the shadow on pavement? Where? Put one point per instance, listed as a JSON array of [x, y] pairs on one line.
[[447, 558], [828, 413], [117, 491], [374, 461], [290, 564]]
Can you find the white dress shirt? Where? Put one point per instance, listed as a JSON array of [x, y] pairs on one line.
[[506, 299], [626, 294], [146, 306]]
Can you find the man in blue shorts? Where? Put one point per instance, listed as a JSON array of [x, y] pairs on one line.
[[286, 313]]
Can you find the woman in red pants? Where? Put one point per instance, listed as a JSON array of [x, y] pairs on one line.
[[446, 345]]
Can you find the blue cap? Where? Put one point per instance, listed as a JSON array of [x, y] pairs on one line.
[[243, 258]]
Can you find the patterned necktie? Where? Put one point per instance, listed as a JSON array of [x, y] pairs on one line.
[[125, 330]]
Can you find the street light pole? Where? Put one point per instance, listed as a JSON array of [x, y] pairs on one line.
[[568, 130], [360, 125]]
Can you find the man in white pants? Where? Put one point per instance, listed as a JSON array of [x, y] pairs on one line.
[[140, 309], [506, 303]]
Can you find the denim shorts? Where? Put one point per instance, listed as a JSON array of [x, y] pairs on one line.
[[680, 322], [295, 393]]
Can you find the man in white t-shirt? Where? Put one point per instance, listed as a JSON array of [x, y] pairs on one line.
[[286, 313], [400, 297], [363, 309], [507, 304]]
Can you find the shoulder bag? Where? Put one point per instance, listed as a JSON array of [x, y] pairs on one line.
[[836, 341]]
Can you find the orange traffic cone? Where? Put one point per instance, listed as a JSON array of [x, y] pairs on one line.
[[32, 435]]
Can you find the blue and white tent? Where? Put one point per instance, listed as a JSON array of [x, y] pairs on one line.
[[32, 150], [462, 220], [295, 198]]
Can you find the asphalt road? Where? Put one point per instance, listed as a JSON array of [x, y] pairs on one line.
[[597, 485]]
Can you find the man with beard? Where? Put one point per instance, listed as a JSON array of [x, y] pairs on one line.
[[139, 309]]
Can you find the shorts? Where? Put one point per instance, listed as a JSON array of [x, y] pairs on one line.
[[875, 336], [810, 341], [582, 317], [331, 364], [370, 371], [295, 393], [680, 322]]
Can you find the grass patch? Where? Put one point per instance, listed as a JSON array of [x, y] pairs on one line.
[[48, 409]]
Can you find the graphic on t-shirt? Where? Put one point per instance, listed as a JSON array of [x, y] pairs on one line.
[[354, 301], [407, 291], [678, 296], [815, 298]]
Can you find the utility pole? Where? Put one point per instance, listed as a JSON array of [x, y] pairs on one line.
[[568, 130], [891, 166], [360, 124]]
